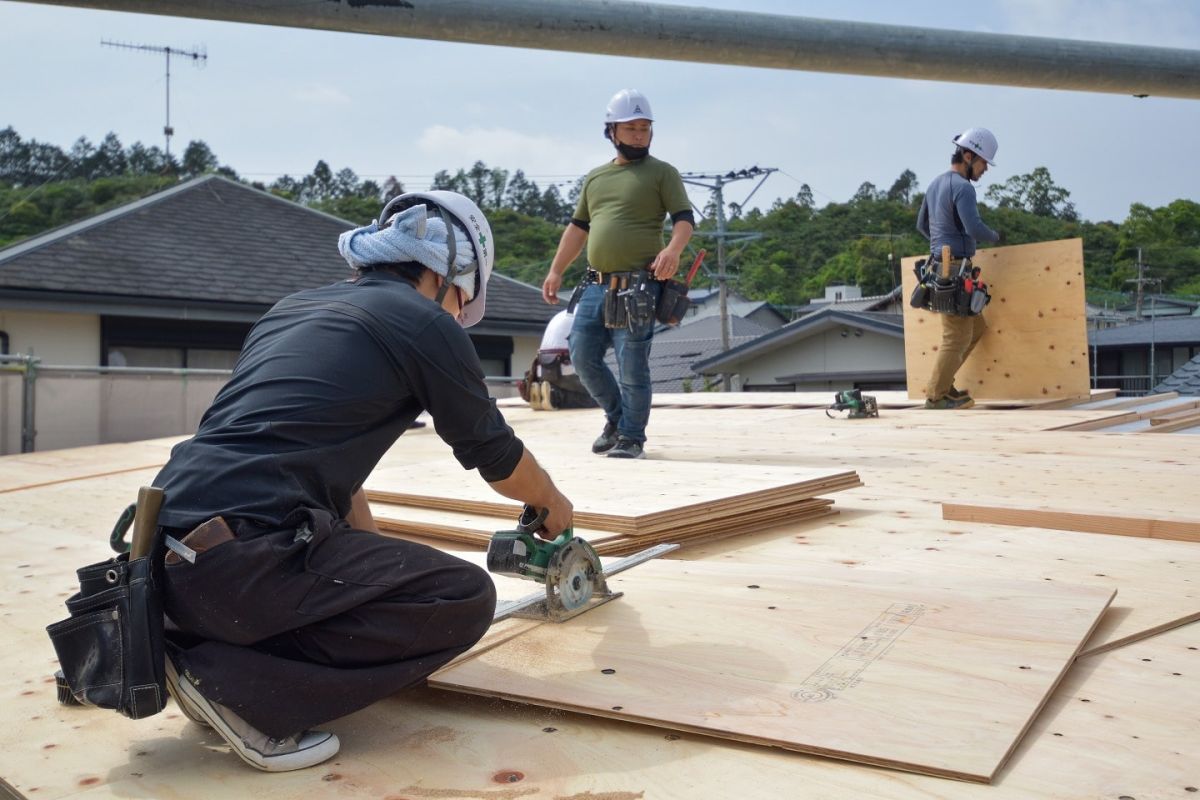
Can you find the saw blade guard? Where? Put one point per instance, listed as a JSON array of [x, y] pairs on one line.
[[574, 575]]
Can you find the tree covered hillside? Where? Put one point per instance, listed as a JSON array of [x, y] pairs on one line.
[[802, 247]]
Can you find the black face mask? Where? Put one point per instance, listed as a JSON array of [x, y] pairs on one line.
[[632, 153]]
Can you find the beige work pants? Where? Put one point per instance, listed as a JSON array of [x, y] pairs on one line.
[[959, 337]]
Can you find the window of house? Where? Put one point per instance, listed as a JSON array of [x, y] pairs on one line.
[[170, 343], [495, 354]]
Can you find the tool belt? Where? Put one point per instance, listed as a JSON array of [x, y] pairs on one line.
[[960, 294], [111, 648], [628, 300]]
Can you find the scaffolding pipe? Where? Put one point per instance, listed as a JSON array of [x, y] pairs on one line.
[[718, 36], [27, 365]]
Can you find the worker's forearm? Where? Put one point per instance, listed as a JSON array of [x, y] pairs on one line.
[[528, 483], [681, 234], [569, 247]]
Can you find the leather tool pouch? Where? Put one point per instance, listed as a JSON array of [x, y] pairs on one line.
[[639, 302], [921, 292], [945, 296], [111, 647], [615, 312], [673, 303]]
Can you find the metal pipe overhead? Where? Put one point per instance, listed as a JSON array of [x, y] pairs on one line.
[[713, 36]]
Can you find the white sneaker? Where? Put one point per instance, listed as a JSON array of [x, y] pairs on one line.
[[186, 707], [267, 753]]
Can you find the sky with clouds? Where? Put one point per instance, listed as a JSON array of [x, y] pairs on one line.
[[274, 100]]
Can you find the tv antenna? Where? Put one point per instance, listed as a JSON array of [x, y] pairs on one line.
[[198, 57]]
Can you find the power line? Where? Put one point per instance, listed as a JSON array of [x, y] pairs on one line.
[[715, 183]]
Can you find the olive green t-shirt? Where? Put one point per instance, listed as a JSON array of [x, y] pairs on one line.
[[624, 204]]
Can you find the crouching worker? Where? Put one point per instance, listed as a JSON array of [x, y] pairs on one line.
[[551, 381], [294, 610]]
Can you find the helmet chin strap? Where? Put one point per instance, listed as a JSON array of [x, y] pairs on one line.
[[452, 271]]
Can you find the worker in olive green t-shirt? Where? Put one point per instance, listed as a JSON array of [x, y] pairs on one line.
[[619, 217]]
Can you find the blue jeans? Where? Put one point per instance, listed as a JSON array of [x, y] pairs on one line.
[[625, 402]]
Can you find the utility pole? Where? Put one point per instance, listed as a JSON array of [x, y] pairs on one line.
[[198, 57], [1142, 281], [715, 183]]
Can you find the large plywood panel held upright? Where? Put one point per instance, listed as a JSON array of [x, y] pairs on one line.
[[1036, 343], [939, 674]]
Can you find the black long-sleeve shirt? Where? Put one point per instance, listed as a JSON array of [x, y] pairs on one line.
[[327, 381]]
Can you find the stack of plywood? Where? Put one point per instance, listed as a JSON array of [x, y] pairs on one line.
[[620, 506]]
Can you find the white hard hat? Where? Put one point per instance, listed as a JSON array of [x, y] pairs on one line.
[[465, 213], [979, 141], [626, 105]]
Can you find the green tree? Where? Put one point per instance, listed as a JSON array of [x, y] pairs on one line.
[[1035, 192], [198, 159]]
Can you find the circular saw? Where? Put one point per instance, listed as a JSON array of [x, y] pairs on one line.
[[567, 566]]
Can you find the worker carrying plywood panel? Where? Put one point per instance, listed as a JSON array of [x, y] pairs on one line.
[[292, 610], [949, 219]]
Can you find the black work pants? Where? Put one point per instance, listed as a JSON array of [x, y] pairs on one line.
[[296, 626]]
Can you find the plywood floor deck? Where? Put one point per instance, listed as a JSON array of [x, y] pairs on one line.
[[1124, 721]]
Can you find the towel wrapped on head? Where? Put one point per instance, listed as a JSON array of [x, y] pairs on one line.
[[412, 235]]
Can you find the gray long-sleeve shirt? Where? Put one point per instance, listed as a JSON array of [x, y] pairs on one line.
[[950, 192]]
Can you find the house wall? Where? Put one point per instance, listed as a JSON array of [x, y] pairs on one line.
[[54, 338], [828, 351], [75, 409], [524, 349]]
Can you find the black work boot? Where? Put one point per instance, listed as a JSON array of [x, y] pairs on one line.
[[606, 440]]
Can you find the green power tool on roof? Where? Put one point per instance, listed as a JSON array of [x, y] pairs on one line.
[[567, 566], [857, 404]]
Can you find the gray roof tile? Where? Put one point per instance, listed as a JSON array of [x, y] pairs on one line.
[[210, 239]]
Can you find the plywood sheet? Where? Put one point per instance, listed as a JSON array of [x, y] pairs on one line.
[[477, 530], [1145, 412], [938, 673], [1119, 525], [1036, 344], [885, 399], [633, 497], [29, 470]]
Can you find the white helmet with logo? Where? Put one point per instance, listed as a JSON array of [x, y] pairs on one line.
[[979, 141], [464, 213], [626, 105]]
